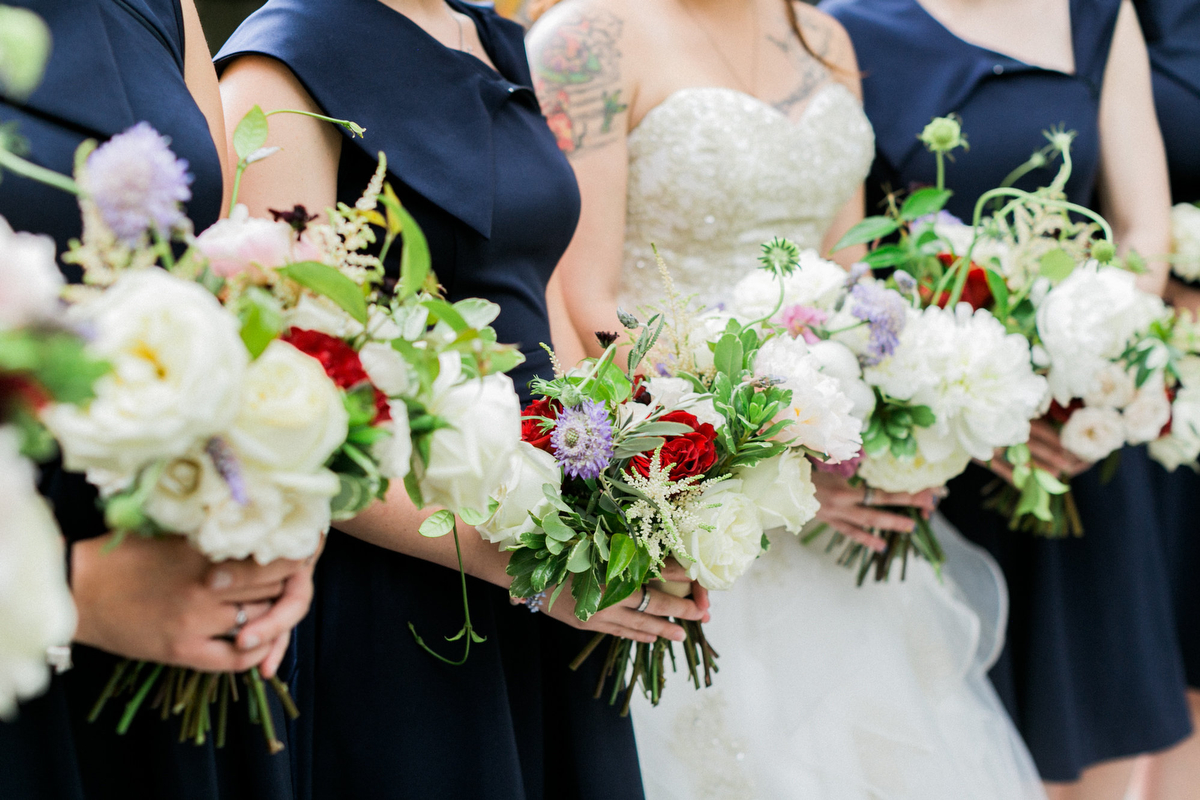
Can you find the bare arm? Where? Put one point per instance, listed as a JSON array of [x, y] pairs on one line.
[[575, 56], [1134, 191], [201, 80], [567, 345]]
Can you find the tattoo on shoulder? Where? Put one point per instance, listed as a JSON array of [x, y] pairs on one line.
[[811, 74], [576, 72]]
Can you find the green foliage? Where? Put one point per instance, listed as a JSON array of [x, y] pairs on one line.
[[890, 428], [330, 282]]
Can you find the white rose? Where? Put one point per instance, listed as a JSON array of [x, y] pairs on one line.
[[386, 368], [1185, 229], [914, 475], [521, 495], [178, 363], [1093, 433], [783, 490], [726, 540], [822, 416], [36, 610], [469, 459], [292, 416], [838, 362], [30, 282], [678, 393], [318, 313], [1149, 412], [394, 453], [1182, 444], [1114, 387]]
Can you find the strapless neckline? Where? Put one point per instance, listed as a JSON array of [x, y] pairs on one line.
[[687, 90]]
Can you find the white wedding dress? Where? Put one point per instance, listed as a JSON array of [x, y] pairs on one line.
[[826, 690]]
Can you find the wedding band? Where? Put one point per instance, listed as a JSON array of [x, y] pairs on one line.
[[642, 606], [868, 496], [239, 621]]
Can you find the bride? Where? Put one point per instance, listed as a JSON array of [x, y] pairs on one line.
[[706, 127]]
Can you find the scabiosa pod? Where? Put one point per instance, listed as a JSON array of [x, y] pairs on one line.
[[137, 183], [582, 439], [780, 256]]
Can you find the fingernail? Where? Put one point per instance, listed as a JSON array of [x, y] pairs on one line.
[[678, 636], [250, 642], [221, 579]]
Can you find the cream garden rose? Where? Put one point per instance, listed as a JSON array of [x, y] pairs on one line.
[[783, 490], [521, 495], [1093, 433], [913, 475], [30, 277], [726, 540]]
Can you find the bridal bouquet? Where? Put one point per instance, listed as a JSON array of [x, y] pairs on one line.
[[265, 382], [694, 458], [933, 387], [1185, 230]]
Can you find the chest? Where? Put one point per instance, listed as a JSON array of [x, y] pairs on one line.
[[1036, 32]]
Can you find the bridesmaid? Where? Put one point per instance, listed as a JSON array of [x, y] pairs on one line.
[[443, 88], [1091, 672], [1172, 30], [112, 65]]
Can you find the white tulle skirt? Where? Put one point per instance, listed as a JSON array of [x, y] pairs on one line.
[[833, 692]]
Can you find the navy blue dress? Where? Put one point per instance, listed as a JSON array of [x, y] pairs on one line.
[[1091, 668], [114, 63], [1172, 29], [472, 159]]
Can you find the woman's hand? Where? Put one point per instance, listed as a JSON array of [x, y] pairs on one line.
[[674, 572], [158, 599], [846, 509], [626, 621], [1046, 451]]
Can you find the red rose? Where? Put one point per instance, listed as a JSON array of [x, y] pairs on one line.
[[531, 423], [21, 392], [1061, 414], [341, 363], [1166, 430], [692, 453], [976, 291]]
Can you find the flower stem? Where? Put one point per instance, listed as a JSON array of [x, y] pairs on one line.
[[237, 184], [941, 168], [131, 708], [467, 632], [27, 169]]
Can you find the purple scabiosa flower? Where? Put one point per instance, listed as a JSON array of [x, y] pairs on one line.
[[799, 320], [884, 312], [858, 271], [582, 439], [906, 283], [137, 182]]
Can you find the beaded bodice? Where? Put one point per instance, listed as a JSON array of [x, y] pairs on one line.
[[714, 173]]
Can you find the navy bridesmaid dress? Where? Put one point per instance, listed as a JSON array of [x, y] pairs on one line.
[[114, 63], [1172, 29], [1091, 668], [471, 157]]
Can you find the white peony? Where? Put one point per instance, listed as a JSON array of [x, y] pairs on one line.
[[913, 475], [178, 364], [521, 495], [837, 361], [678, 393], [292, 416], [279, 514], [816, 283], [976, 378], [1114, 387], [1087, 321], [783, 490], [1149, 412], [394, 453], [726, 539], [469, 459], [30, 282], [1185, 229], [1093, 433], [821, 414], [36, 610], [1182, 444]]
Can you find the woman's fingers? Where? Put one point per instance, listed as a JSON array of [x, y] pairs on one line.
[[663, 604], [859, 535], [700, 597], [923, 500], [266, 592], [648, 623], [270, 664], [867, 518], [229, 577], [284, 615], [673, 571], [217, 655], [1054, 459]]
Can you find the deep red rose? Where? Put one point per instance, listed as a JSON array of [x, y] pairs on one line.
[[1166, 430], [1061, 414], [21, 392], [692, 453], [341, 363], [976, 291], [640, 393], [531, 424]]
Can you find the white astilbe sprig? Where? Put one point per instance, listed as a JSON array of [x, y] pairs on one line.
[[348, 234], [666, 509]]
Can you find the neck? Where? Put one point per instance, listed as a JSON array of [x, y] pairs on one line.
[[418, 8], [735, 8]]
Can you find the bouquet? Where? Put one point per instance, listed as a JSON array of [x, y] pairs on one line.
[[932, 387], [691, 450], [266, 381], [1185, 231]]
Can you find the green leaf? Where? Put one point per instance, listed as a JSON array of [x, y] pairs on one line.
[[543, 574], [415, 261], [472, 517], [868, 230], [888, 255], [478, 313], [261, 316], [586, 591], [663, 429], [327, 281], [728, 355], [621, 551], [924, 202], [999, 291], [1050, 483], [554, 546], [600, 538], [556, 529], [1057, 265], [616, 591], [581, 556], [446, 313], [640, 566], [437, 525], [251, 133]]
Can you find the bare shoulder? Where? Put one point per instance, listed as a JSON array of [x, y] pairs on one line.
[[829, 40], [264, 81], [580, 65]]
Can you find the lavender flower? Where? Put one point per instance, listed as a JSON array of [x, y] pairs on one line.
[[582, 440], [229, 468], [858, 271], [137, 182], [884, 312], [906, 283]]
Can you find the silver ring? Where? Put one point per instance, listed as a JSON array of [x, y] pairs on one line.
[[239, 621], [868, 496], [642, 606]]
